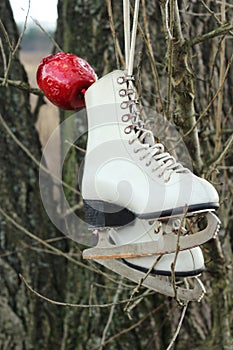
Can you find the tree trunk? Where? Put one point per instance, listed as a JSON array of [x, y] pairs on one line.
[[26, 322]]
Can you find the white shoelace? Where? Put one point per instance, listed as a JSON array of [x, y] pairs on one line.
[[165, 162]]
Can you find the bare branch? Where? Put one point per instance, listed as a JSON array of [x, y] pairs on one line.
[[178, 327], [127, 330], [118, 52], [146, 37], [31, 156], [48, 35], [223, 30], [209, 104], [220, 156], [3, 55], [41, 241], [58, 303], [6, 35], [115, 299], [22, 86], [23, 31]]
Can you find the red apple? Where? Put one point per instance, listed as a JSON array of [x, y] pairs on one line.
[[64, 79]]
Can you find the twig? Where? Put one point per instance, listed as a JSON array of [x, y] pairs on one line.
[[146, 38], [209, 104], [213, 13], [75, 146], [56, 250], [178, 327], [41, 241], [118, 52], [170, 54], [23, 31], [6, 35], [45, 32], [220, 156], [22, 86], [58, 303], [12, 49], [115, 299], [218, 117], [127, 330], [173, 275], [167, 20], [3, 55], [128, 306], [223, 30], [48, 35], [31, 156]]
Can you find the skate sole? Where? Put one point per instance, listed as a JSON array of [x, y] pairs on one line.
[[103, 214]]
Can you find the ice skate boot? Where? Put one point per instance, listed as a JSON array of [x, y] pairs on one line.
[[128, 177], [126, 174]]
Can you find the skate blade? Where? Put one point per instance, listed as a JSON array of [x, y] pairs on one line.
[[159, 284], [164, 245]]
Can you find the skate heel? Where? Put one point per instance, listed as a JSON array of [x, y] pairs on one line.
[[102, 214]]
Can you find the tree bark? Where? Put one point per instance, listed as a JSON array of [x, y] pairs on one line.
[[26, 322]]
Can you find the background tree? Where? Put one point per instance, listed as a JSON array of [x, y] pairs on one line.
[[183, 69]]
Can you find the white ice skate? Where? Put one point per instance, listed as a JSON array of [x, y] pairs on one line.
[[129, 180], [145, 252]]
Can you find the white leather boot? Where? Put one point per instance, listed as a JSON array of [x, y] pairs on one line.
[[126, 174]]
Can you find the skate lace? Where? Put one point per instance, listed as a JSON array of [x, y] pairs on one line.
[[165, 162]]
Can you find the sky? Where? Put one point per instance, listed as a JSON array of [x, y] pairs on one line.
[[45, 11]]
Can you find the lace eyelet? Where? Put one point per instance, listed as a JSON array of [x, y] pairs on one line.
[[148, 164], [125, 118], [122, 93], [130, 142], [128, 130], [136, 150], [124, 105], [120, 80]]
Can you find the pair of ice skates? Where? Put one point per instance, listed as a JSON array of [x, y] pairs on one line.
[[139, 197]]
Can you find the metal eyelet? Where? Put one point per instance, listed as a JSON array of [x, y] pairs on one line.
[[125, 118], [124, 105], [122, 93], [128, 130], [120, 80]]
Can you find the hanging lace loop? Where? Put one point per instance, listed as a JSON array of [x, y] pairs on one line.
[[165, 163], [130, 42]]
